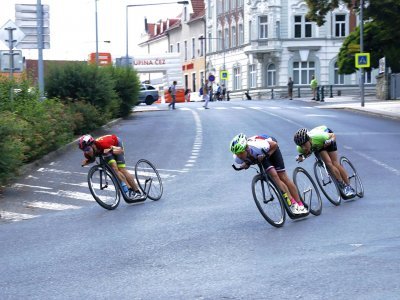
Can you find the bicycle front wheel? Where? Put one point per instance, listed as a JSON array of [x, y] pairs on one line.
[[104, 187], [268, 201], [327, 184], [308, 191], [355, 180], [145, 170]]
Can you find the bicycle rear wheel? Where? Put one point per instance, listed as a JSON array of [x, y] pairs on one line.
[[308, 191], [268, 200], [327, 184], [145, 170], [104, 187], [355, 180]]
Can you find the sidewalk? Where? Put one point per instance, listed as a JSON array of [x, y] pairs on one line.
[[384, 108]]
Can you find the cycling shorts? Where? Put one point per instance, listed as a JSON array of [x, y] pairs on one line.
[[275, 160]]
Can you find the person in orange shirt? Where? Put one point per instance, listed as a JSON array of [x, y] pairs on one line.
[[112, 149]]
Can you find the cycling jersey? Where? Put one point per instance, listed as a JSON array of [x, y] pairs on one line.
[[318, 136], [259, 145], [106, 142]]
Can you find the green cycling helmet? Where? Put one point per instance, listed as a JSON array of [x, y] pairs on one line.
[[238, 144]]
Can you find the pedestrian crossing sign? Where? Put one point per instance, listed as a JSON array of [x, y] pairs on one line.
[[224, 75], [362, 60]]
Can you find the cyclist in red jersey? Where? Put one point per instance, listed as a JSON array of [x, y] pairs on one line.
[[112, 149]]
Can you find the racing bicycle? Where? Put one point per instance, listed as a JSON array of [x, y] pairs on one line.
[[106, 188], [270, 201], [329, 184]]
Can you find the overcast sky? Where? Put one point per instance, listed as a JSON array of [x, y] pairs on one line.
[[73, 30]]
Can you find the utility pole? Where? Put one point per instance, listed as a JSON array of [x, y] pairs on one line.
[[362, 79]]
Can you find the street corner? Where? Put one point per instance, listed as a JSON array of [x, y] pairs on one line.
[[148, 108]]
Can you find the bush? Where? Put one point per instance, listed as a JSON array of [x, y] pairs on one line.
[[86, 117], [11, 146], [127, 85]]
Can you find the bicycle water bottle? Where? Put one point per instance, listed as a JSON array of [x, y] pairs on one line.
[[125, 188]]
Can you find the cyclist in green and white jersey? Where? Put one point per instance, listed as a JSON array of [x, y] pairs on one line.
[[323, 141]]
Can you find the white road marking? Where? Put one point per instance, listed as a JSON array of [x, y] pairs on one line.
[[379, 163], [21, 185], [69, 194], [238, 107], [12, 216], [220, 108], [58, 171], [51, 205]]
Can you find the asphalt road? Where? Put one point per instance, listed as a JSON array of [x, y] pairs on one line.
[[205, 238]]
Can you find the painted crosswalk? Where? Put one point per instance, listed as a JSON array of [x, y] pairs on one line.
[[73, 195]]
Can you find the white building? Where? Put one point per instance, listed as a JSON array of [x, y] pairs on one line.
[[264, 42], [260, 43]]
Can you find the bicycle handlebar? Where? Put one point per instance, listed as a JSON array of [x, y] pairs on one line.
[[236, 168]]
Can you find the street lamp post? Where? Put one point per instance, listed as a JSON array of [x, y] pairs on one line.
[[362, 77], [126, 20], [97, 35]]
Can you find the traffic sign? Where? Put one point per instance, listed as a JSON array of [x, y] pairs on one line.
[[211, 78], [17, 34], [353, 48], [362, 60], [224, 75]]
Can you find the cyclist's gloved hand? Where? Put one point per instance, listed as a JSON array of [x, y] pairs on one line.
[[300, 158], [328, 142], [260, 157], [244, 166]]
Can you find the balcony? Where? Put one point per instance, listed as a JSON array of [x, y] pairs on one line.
[[260, 47]]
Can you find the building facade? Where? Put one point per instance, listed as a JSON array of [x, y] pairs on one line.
[[260, 44], [264, 42]]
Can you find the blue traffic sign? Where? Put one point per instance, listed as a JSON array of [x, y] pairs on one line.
[[211, 78]]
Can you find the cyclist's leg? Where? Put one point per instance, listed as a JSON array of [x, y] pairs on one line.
[[290, 185], [335, 161], [276, 159], [327, 158]]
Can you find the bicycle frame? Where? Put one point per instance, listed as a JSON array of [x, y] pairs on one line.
[[106, 166], [267, 177]]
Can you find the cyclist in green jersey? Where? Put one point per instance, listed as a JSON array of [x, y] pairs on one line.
[[323, 141]]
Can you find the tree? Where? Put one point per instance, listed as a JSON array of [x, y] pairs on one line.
[[381, 32]]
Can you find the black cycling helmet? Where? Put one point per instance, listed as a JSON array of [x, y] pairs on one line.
[[301, 137]]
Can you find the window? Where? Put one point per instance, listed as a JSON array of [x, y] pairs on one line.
[[171, 48], [209, 42], [201, 45], [193, 47], [278, 29], [303, 71], [178, 48], [302, 27], [339, 78], [263, 27], [340, 25], [226, 5], [209, 10], [193, 82], [241, 35], [252, 76], [233, 29], [250, 36], [237, 82], [185, 13], [226, 38], [219, 41], [186, 50], [271, 75], [186, 81], [240, 3], [201, 79]]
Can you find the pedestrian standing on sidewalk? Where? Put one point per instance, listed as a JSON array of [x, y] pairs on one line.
[[314, 85], [206, 94], [290, 88], [172, 91]]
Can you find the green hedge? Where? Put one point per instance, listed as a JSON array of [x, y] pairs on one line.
[[80, 99]]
